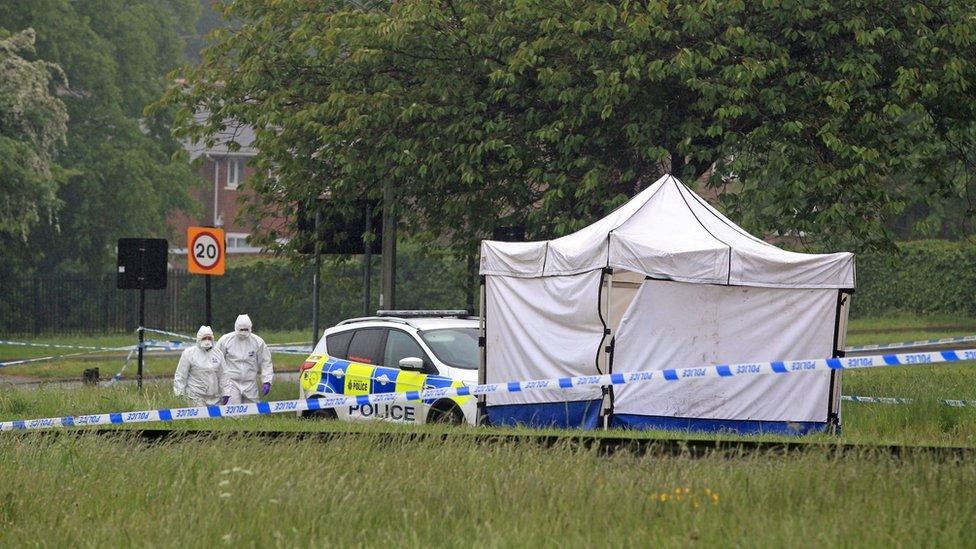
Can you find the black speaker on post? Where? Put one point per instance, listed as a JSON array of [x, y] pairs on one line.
[[142, 263], [142, 266]]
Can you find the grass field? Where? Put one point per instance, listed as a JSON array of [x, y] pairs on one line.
[[864, 331], [926, 422], [109, 363], [86, 490], [79, 488]]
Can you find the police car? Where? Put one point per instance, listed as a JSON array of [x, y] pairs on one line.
[[396, 351]]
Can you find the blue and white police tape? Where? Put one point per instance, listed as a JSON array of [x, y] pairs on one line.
[[902, 400], [155, 344], [163, 345], [172, 346], [56, 345], [148, 344], [784, 367], [56, 357], [911, 344], [96, 350], [118, 377], [164, 332], [287, 351]]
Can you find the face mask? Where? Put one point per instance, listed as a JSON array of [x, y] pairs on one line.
[[206, 343], [243, 332]]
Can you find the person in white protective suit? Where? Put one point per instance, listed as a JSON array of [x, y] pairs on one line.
[[245, 354], [201, 375]]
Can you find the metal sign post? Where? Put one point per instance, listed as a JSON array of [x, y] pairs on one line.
[[388, 264], [209, 312], [142, 331], [142, 312], [142, 266], [317, 273], [367, 258]]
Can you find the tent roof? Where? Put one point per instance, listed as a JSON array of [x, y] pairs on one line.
[[667, 231]]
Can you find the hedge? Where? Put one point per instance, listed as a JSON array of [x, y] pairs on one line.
[[277, 297], [922, 277]]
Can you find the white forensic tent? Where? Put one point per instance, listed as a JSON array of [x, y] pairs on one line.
[[665, 281]]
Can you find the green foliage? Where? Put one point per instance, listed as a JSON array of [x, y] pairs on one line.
[[124, 179], [834, 116], [33, 124], [923, 277], [279, 297]]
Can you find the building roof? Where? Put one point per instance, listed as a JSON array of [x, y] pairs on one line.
[[234, 132]]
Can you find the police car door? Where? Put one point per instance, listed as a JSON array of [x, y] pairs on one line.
[[365, 352], [392, 378]]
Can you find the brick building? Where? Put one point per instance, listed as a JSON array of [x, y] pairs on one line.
[[220, 195]]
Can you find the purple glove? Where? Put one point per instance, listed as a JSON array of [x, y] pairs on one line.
[[223, 400], [265, 389]]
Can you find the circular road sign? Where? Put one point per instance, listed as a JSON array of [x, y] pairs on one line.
[[206, 251]]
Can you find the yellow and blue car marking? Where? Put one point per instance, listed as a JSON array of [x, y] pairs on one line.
[[335, 376]]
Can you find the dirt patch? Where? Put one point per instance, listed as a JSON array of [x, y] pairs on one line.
[[17, 380]]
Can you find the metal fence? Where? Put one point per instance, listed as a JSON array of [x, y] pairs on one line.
[[274, 295], [88, 305]]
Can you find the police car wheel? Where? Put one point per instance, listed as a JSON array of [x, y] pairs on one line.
[[319, 414], [449, 416]]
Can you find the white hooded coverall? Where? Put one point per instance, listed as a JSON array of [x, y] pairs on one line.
[[200, 375], [244, 355]]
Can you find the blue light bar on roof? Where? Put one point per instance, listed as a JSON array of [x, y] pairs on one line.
[[420, 313]]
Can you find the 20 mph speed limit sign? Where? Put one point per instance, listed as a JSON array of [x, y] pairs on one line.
[[205, 250]]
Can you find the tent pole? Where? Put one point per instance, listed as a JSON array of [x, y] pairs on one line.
[[608, 333], [482, 355], [833, 395]]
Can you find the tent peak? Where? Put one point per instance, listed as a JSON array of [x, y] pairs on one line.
[[669, 232]]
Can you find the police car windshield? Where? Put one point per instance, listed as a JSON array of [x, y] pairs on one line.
[[456, 347]]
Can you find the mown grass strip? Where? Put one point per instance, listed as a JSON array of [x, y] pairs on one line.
[[605, 445]]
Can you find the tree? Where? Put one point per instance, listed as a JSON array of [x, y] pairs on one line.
[[33, 123], [827, 117], [126, 177]]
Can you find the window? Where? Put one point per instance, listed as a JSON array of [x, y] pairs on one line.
[[456, 347], [237, 244], [401, 345], [233, 173], [367, 345], [236, 241], [336, 345]]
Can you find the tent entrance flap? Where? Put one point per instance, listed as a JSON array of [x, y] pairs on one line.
[[617, 291], [542, 328]]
